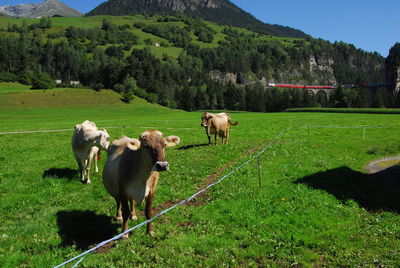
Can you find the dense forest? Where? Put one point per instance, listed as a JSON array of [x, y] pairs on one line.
[[114, 56]]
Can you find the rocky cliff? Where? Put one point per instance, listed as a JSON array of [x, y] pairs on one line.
[[319, 71]]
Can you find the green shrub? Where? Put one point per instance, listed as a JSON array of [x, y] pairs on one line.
[[43, 81]]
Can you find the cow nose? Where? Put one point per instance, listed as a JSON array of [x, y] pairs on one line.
[[203, 125], [161, 166]]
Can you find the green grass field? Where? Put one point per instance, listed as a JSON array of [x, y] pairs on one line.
[[316, 205]]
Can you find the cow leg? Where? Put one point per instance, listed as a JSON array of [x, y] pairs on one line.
[[118, 217], [226, 136], [133, 212], [81, 169], [88, 163], [215, 137], [95, 163], [148, 213], [208, 135], [125, 216]]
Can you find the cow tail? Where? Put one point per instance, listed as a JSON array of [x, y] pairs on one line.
[[231, 123], [98, 155]]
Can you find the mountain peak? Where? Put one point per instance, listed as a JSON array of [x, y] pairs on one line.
[[47, 8], [219, 11]]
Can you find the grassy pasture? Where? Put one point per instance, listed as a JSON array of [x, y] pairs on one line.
[[316, 205]]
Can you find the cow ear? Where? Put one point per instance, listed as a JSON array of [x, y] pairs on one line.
[[172, 141], [133, 144], [143, 136]]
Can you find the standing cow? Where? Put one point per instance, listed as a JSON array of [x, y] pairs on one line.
[[87, 141], [217, 124], [132, 170]]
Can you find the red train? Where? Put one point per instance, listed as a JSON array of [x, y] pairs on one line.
[[297, 86]]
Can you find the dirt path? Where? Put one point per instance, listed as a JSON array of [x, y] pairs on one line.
[[378, 165]]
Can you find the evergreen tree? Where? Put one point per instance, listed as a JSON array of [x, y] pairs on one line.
[[393, 67]]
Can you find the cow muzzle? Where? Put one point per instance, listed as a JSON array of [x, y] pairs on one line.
[[203, 124], [161, 166]]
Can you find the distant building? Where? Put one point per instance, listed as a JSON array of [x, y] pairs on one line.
[[157, 44], [58, 81], [75, 83]]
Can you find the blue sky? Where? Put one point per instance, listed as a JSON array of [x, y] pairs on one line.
[[372, 25]]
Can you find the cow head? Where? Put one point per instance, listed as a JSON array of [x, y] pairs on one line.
[[204, 119], [154, 142], [103, 139]]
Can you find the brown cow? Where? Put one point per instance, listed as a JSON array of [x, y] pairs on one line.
[[217, 124], [131, 172]]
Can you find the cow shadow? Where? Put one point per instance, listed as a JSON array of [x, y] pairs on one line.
[[60, 173], [84, 229], [374, 192], [188, 147]]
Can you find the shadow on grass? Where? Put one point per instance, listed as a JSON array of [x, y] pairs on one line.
[[60, 173], [84, 228], [374, 192], [187, 147]]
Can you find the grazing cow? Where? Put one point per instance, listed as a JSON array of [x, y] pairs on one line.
[[217, 124], [131, 172], [87, 141]]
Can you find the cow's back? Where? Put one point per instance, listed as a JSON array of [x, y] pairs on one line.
[[220, 121], [82, 134]]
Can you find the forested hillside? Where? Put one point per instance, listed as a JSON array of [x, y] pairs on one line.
[[186, 63], [219, 11]]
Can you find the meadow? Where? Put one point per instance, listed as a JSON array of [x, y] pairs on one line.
[[316, 206]]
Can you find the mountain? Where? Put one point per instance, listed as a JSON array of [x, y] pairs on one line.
[[47, 8], [220, 11]]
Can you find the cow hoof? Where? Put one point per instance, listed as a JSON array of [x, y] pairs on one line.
[[151, 233], [118, 219], [87, 182], [134, 217]]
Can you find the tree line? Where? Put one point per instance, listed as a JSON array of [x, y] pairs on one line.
[[103, 58]]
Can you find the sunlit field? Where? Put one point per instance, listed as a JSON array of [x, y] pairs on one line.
[[316, 206]]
